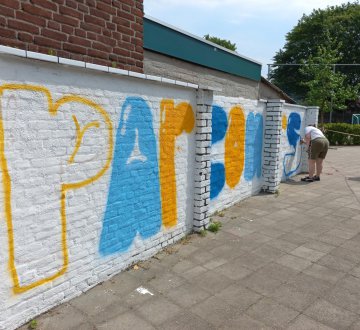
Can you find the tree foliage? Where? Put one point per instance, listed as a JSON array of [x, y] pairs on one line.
[[342, 23], [326, 87], [221, 42]]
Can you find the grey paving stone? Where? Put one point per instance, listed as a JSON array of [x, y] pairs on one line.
[[272, 313], [239, 231], [352, 246], [324, 273], [341, 233], [319, 211], [182, 266], [122, 283], [295, 238], [97, 300], [355, 325], [355, 272], [215, 262], [62, 317], [293, 262], [283, 245], [260, 283], [350, 283], [187, 250], [319, 246], [246, 244], [243, 322], [135, 298], [212, 282], [166, 281], [344, 298], [303, 322], [271, 232], [159, 311], [201, 257], [193, 272], [239, 296], [336, 263], [234, 270], [215, 311], [186, 321], [126, 321], [187, 295], [346, 254], [309, 284], [252, 261], [351, 225], [291, 297], [331, 239], [308, 254], [277, 271], [269, 252], [331, 315]]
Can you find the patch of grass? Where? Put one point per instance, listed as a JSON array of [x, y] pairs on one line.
[[215, 226], [221, 214], [33, 324], [203, 233]]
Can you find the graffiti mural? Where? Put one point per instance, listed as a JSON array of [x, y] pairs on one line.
[[234, 147], [135, 157], [219, 128], [43, 108], [292, 159], [242, 147], [175, 119], [253, 146]]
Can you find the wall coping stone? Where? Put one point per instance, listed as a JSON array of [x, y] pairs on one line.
[[85, 65]]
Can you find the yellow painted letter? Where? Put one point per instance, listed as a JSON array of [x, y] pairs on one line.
[[234, 147], [174, 121]]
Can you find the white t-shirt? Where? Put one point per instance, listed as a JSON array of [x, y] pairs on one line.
[[314, 132]]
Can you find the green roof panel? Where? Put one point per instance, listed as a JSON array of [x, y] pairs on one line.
[[170, 41]]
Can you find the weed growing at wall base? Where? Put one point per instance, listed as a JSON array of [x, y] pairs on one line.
[[215, 226]]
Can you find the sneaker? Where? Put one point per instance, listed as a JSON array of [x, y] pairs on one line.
[[316, 178]]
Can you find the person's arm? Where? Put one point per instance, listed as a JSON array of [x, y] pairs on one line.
[[307, 138]]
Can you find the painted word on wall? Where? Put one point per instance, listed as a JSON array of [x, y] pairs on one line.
[[174, 121], [291, 162], [18, 102], [142, 197], [243, 147]]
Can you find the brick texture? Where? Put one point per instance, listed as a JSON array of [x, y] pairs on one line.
[[105, 32]]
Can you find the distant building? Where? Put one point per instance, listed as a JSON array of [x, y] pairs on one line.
[[176, 54]]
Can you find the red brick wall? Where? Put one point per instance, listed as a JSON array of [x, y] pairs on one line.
[[106, 32]]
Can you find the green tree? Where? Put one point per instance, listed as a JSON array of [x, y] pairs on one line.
[[326, 88], [342, 23], [221, 42]]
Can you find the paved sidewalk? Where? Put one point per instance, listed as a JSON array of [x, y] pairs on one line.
[[286, 261]]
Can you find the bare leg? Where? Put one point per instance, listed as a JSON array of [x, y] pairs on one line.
[[319, 166], [311, 167]]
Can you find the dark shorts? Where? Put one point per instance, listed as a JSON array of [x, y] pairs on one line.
[[318, 148]]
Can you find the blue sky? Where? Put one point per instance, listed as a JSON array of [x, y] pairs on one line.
[[258, 27]]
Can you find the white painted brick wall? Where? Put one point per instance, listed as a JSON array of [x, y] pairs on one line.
[[47, 153], [244, 188], [37, 151]]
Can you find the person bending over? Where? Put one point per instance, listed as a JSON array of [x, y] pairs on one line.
[[318, 146]]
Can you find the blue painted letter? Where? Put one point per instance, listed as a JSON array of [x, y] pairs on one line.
[[134, 204], [253, 146]]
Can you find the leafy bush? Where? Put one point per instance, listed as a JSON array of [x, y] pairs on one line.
[[341, 139]]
